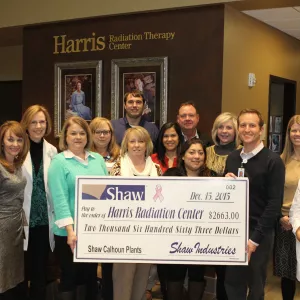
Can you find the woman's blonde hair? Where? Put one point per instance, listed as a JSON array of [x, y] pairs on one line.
[[112, 148], [142, 134], [29, 114], [223, 118], [83, 124], [288, 150], [15, 128]]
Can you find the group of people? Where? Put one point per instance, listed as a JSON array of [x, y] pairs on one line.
[[37, 199]]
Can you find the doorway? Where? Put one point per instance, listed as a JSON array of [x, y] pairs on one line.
[[282, 106]]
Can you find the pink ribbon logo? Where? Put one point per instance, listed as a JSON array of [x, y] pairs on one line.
[[158, 194]]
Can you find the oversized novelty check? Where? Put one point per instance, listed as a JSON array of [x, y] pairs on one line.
[[184, 220]]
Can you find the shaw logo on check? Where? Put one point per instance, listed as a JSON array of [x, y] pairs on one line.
[[113, 192]]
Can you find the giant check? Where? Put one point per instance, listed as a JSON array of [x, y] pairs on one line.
[[184, 220]]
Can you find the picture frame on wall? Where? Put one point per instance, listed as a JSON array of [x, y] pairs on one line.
[[77, 91], [149, 75], [275, 142], [277, 124], [271, 124]]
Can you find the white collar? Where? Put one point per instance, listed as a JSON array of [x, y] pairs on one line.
[[196, 136], [70, 154], [246, 156]]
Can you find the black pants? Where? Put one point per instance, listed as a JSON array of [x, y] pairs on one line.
[[239, 278], [221, 291], [36, 259], [74, 274], [107, 282], [162, 272], [178, 272]]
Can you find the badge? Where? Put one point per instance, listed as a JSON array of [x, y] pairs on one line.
[[241, 172]]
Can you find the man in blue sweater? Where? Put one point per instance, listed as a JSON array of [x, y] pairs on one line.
[[134, 103], [265, 171]]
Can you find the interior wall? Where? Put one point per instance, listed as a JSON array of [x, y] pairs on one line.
[[253, 47], [195, 56], [57, 10], [11, 63], [11, 94]]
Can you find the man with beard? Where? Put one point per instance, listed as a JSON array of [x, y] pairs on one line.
[[134, 103]]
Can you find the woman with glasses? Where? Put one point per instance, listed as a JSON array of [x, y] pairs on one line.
[[104, 142], [13, 150], [39, 212]]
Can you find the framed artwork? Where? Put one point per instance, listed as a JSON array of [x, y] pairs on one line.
[[77, 91], [271, 124], [149, 75], [275, 142], [277, 124]]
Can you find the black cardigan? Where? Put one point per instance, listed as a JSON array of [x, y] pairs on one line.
[[266, 174]]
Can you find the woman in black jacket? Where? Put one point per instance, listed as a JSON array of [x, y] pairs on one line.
[[191, 162]]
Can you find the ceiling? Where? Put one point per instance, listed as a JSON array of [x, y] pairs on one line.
[[286, 19], [281, 14]]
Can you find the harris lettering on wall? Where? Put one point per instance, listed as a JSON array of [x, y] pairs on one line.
[[77, 91], [121, 41], [148, 75]]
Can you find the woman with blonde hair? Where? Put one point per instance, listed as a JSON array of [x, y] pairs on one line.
[[74, 160], [225, 136], [130, 279], [37, 205], [104, 142], [13, 150], [285, 262]]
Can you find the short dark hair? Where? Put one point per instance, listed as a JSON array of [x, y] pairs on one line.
[[136, 94], [251, 111], [188, 103]]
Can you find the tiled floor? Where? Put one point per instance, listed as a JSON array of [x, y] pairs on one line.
[[272, 290]]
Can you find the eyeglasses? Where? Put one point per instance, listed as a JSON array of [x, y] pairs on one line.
[[104, 132], [35, 123]]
